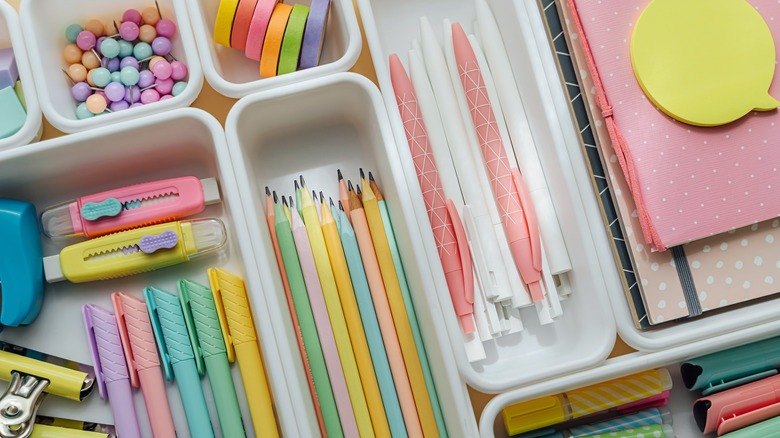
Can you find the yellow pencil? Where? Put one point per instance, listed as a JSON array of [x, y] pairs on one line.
[[354, 324], [336, 313], [400, 316]]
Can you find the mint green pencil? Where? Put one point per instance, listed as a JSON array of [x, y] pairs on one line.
[[306, 321], [376, 345], [399, 270]]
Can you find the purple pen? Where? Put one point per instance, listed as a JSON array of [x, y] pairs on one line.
[[111, 372]]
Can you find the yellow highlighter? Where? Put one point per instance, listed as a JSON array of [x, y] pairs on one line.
[[238, 330], [618, 393], [135, 251]]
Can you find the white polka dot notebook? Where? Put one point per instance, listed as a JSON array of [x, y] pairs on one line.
[[741, 262]]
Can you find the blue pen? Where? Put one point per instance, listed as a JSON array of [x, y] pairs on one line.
[[178, 359], [370, 325]]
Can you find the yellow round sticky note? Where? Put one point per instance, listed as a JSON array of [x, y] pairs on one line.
[[704, 62]]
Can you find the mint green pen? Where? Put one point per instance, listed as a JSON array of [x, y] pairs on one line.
[[407, 295], [175, 347], [200, 316]]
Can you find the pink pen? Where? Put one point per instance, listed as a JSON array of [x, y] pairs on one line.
[[130, 207], [322, 321], [445, 222], [739, 407], [110, 368], [512, 198], [137, 340]]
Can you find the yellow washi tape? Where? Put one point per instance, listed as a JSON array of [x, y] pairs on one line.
[[223, 27]]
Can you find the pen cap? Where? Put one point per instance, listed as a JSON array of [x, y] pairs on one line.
[[108, 357], [21, 269], [737, 366], [170, 331], [201, 317], [536, 414], [203, 236]]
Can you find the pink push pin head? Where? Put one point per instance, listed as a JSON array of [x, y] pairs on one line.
[[178, 71], [86, 40], [162, 69], [166, 28], [132, 15], [164, 86], [128, 31], [149, 96]]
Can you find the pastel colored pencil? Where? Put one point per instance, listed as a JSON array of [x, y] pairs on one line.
[[370, 324], [344, 194], [384, 315], [270, 216], [407, 296], [320, 311], [337, 321], [355, 327], [400, 315]]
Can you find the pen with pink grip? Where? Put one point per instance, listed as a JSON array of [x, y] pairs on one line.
[[135, 333], [447, 228], [515, 208]]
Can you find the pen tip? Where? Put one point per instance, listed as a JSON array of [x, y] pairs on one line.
[[276, 198], [340, 175], [357, 187], [349, 184], [362, 174], [341, 206], [371, 176]]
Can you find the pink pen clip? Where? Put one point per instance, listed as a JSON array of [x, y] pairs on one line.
[[110, 369], [137, 339], [739, 407], [130, 207]]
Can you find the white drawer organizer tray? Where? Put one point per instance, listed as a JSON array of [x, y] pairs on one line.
[[314, 128], [491, 423], [234, 75], [44, 23], [11, 36], [585, 334], [180, 143]]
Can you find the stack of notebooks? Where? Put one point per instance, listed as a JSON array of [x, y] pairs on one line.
[[694, 205]]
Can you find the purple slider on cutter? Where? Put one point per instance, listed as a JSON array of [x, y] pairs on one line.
[[111, 372], [8, 71], [165, 240], [314, 35]]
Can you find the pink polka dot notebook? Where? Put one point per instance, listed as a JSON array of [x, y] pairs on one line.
[[734, 267], [687, 182]]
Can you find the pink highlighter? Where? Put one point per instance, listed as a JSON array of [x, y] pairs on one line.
[[130, 207], [738, 407]]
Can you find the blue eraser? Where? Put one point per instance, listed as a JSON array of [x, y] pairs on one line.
[[12, 113], [21, 263], [9, 74]]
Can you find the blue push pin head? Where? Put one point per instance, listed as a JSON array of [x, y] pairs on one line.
[[21, 263]]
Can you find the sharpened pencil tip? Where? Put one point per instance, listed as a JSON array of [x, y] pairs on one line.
[[267, 191], [303, 182], [349, 184], [340, 175], [292, 202], [362, 174], [276, 198], [341, 206], [296, 185], [284, 201], [322, 197], [357, 187], [371, 176], [331, 201]]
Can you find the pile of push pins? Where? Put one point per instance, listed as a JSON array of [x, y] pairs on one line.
[[130, 68]]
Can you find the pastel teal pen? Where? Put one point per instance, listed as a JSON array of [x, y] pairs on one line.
[[731, 368], [399, 270], [178, 359], [765, 429], [376, 345], [200, 315], [647, 417]]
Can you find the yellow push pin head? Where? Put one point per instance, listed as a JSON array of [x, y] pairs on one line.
[[704, 62]]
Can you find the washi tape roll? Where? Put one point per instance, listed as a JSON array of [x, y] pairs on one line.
[[244, 14], [315, 33], [257, 29], [293, 38], [224, 24], [273, 40]]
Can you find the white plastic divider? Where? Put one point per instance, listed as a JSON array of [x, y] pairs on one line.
[[179, 143], [313, 128], [11, 36], [234, 75], [491, 421], [585, 334], [44, 23]]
